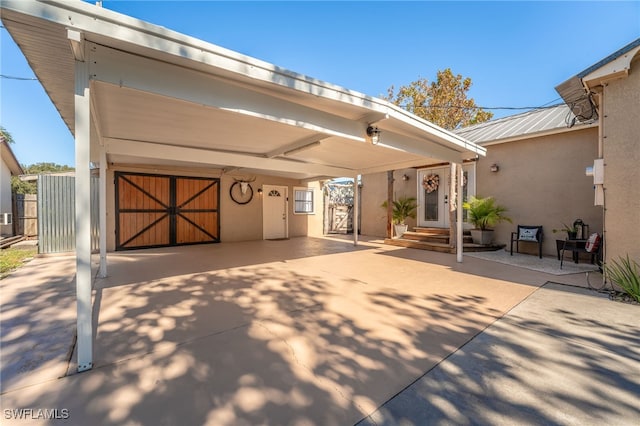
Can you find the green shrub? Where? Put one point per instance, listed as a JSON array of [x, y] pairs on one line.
[[403, 208], [625, 274], [484, 213]]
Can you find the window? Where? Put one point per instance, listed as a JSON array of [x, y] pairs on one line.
[[303, 198]]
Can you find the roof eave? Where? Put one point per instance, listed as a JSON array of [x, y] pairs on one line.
[[10, 159]]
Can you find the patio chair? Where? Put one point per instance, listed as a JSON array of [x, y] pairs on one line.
[[527, 234]]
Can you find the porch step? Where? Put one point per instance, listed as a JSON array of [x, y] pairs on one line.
[[433, 238], [431, 231], [439, 246]]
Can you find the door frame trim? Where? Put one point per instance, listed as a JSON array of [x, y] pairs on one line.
[[265, 190], [472, 188]]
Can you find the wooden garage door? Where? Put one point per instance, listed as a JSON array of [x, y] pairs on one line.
[[158, 210]]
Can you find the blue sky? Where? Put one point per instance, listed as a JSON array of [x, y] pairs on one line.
[[515, 52]]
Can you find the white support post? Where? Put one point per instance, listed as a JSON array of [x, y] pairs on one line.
[[459, 202], [103, 212], [83, 217], [356, 209]]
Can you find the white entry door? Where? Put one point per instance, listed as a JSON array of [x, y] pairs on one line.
[[274, 212], [433, 194], [433, 197]]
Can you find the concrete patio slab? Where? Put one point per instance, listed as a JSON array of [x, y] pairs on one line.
[[564, 356], [37, 317], [304, 331]]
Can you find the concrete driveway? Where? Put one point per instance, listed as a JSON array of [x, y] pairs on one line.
[[304, 331]]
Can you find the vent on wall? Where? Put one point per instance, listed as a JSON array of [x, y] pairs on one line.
[[6, 218]]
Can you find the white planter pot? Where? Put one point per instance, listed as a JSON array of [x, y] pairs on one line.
[[400, 229], [482, 237]]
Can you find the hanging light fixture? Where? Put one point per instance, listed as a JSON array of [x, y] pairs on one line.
[[374, 134]]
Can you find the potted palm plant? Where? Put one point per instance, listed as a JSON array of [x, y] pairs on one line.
[[403, 208], [484, 213]]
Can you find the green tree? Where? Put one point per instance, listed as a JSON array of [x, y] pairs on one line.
[[443, 102], [6, 135], [30, 187], [23, 187], [37, 168]]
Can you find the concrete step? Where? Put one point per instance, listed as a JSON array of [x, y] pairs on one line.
[[440, 247], [432, 238], [431, 231]]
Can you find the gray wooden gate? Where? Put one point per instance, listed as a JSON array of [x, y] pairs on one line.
[[338, 212], [56, 214]]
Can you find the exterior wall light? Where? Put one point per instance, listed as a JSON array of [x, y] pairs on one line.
[[494, 167], [405, 177], [374, 134]]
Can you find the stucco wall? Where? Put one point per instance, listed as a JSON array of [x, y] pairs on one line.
[[374, 193], [621, 150], [542, 181], [237, 222], [5, 197]]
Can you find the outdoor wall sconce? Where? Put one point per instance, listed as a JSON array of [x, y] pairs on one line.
[[374, 134], [405, 177], [260, 191], [494, 167]]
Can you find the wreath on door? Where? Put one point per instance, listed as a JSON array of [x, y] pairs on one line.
[[431, 183]]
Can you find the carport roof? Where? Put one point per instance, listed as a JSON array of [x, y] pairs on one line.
[[163, 98]]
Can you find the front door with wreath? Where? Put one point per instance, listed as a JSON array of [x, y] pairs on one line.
[[433, 194]]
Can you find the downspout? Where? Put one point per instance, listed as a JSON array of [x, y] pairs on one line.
[[601, 137], [459, 201], [356, 209]]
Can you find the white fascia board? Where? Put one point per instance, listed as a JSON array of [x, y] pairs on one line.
[[204, 156], [91, 19], [439, 135], [393, 166], [422, 147], [148, 75], [617, 68], [95, 20]]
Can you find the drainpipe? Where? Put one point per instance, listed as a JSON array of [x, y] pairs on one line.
[[459, 237], [601, 137], [356, 209]]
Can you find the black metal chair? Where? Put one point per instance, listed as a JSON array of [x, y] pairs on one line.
[[527, 234]]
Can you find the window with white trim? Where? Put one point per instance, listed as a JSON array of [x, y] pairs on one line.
[[303, 201]]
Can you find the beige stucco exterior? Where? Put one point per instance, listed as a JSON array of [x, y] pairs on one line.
[[542, 181], [374, 193], [237, 222], [620, 110]]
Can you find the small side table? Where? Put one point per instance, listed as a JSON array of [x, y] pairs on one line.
[[576, 247]]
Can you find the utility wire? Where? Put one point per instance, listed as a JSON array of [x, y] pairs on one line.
[[10, 77]]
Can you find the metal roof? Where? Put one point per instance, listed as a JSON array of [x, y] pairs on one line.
[[536, 122]]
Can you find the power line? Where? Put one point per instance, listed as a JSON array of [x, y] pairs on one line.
[[545, 106], [10, 77]]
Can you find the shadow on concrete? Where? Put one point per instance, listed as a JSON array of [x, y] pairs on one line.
[[285, 338], [38, 322], [563, 356]]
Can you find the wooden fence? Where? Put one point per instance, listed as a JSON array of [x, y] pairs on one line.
[[26, 215]]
